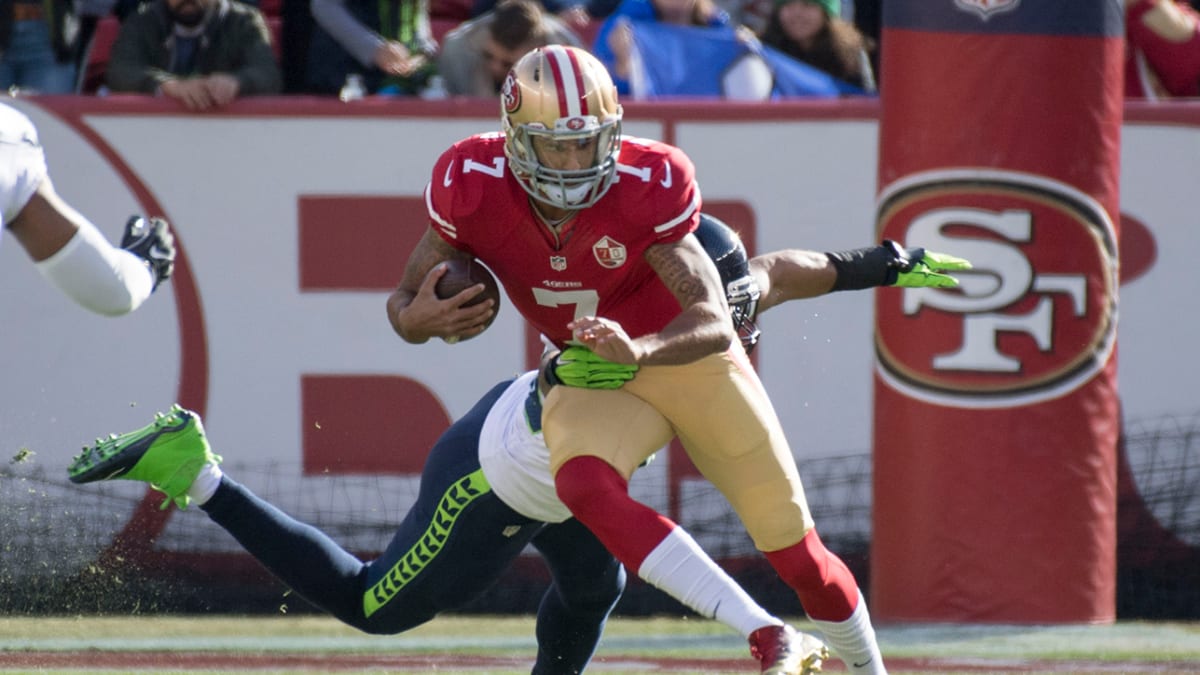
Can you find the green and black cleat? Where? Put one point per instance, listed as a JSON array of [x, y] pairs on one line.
[[168, 454]]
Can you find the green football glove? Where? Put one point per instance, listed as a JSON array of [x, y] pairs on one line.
[[579, 367], [919, 268]]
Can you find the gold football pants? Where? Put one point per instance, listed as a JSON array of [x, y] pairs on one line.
[[724, 419]]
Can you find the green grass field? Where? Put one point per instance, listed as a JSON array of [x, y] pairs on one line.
[[505, 646]]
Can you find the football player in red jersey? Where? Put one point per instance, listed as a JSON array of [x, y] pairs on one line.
[[588, 232]]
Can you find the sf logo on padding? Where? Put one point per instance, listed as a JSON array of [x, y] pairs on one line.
[[1035, 318]]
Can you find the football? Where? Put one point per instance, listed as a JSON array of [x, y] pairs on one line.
[[462, 274]]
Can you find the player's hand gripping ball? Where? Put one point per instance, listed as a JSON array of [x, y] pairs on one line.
[[461, 275]]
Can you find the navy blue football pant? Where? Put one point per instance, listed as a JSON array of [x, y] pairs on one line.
[[454, 543]]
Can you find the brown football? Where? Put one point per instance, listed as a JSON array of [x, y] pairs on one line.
[[462, 274]]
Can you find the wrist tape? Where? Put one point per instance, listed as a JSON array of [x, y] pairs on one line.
[[867, 267], [548, 372]]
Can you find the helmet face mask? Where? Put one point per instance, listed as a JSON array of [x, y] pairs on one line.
[[743, 294], [562, 126], [728, 253]]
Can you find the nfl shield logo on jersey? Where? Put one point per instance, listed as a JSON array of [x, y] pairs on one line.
[[558, 263], [609, 253], [986, 8]]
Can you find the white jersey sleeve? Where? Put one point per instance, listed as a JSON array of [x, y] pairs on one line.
[[515, 458], [22, 163]]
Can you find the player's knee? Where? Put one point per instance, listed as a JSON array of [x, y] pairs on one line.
[[587, 485], [385, 623], [375, 628], [803, 565], [597, 594]]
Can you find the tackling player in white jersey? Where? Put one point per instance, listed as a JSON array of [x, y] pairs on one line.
[[64, 245]]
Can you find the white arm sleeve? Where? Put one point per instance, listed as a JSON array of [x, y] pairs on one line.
[[97, 275]]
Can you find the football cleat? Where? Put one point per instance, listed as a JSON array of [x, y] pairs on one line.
[[783, 650], [168, 454]]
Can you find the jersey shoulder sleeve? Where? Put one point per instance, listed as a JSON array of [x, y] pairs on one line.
[[463, 178], [659, 182]]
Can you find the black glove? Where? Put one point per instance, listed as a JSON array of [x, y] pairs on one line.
[[889, 264], [152, 241]]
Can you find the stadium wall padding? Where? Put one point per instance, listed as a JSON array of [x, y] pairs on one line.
[[996, 415]]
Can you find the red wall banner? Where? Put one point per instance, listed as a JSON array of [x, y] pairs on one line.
[[996, 412]]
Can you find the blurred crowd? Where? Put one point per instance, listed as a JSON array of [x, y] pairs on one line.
[[206, 53]]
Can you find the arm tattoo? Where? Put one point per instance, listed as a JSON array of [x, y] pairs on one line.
[[673, 264], [430, 251]]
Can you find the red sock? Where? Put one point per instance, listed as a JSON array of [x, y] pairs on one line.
[[823, 583], [599, 498]]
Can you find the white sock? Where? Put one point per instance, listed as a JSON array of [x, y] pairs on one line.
[[684, 571], [206, 483], [853, 640]]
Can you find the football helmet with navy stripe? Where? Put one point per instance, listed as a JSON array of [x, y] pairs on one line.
[[725, 248]]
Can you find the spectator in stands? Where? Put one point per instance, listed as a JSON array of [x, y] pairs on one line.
[[202, 53], [578, 14], [614, 44], [38, 45], [868, 18], [477, 55], [296, 29], [389, 42], [814, 32], [1162, 49], [752, 14]]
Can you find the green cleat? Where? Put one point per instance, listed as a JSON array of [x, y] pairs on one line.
[[168, 454]]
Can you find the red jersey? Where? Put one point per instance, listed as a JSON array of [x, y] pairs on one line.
[[595, 265], [1175, 65]]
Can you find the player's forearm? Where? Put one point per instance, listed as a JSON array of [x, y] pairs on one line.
[[397, 302], [97, 275], [791, 275], [702, 327], [412, 323], [697, 332]]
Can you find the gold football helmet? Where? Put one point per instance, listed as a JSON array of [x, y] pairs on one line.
[[560, 100]]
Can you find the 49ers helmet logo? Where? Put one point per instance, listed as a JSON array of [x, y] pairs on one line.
[[1035, 318], [510, 93]]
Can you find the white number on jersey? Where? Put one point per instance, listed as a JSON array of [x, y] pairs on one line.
[[586, 302]]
